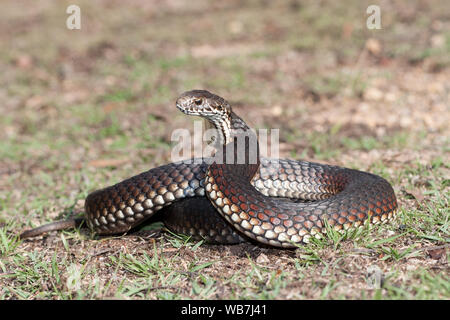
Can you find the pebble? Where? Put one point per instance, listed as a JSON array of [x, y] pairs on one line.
[[373, 46], [262, 259]]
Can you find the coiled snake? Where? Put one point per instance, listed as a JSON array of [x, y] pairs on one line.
[[237, 194]]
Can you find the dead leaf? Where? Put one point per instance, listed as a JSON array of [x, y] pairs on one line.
[[437, 253], [347, 30], [24, 61], [102, 163], [373, 94], [111, 106], [34, 102], [416, 194]]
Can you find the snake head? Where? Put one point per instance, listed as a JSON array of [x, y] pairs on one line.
[[204, 104], [211, 107]]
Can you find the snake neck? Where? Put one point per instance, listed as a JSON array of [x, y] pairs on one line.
[[240, 147]]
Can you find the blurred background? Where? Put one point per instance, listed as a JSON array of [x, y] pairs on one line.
[[81, 109], [92, 106]]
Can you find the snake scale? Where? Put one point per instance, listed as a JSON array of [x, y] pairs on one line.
[[277, 202]]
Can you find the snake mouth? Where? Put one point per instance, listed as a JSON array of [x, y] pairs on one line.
[[187, 110], [192, 111]]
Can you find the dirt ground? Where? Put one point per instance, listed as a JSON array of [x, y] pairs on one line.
[[84, 109]]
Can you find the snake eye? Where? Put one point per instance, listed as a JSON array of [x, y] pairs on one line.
[[198, 101]]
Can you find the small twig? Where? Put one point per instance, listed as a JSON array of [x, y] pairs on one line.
[[363, 250], [149, 289], [103, 252]]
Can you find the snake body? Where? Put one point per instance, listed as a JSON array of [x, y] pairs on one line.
[[277, 202]]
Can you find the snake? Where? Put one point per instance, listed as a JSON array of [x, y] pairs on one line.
[[237, 195]]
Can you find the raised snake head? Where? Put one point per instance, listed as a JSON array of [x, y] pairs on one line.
[[216, 110]]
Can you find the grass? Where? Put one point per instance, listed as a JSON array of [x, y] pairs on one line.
[[331, 143], [162, 272]]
